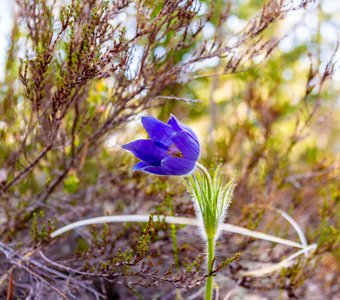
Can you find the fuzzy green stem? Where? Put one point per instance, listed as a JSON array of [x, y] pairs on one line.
[[210, 237], [210, 267]]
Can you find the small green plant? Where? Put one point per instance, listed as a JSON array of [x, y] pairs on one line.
[[39, 231], [212, 199]]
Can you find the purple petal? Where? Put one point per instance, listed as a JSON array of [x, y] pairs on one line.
[[189, 148], [144, 167], [177, 166], [158, 131], [178, 126], [146, 150]]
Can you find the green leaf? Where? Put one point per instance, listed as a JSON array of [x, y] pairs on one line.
[[211, 197]]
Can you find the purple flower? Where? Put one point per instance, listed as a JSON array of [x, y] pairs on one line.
[[172, 149]]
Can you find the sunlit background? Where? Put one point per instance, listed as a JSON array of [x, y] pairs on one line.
[[246, 121], [320, 21]]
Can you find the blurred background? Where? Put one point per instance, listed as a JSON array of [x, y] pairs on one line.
[[258, 81]]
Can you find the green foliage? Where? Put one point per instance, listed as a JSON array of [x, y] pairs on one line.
[[40, 231], [196, 264], [143, 244], [252, 216], [82, 247], [68, 101], [211, 196], [212, 199], [293, 276], [71, 183], [227, 261]]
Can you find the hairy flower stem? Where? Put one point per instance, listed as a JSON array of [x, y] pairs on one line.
[[210, 267], [210, 236]]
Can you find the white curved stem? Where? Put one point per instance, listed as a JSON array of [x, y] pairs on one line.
[[174, 220], [282, 264], [295, 225]]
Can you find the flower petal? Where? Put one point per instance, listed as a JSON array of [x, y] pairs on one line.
[[177, 166], [178, 126], [146, 150], [158, 131], [144, 167], [189, 148]]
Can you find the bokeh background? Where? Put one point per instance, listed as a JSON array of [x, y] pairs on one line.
[[257, 81]]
